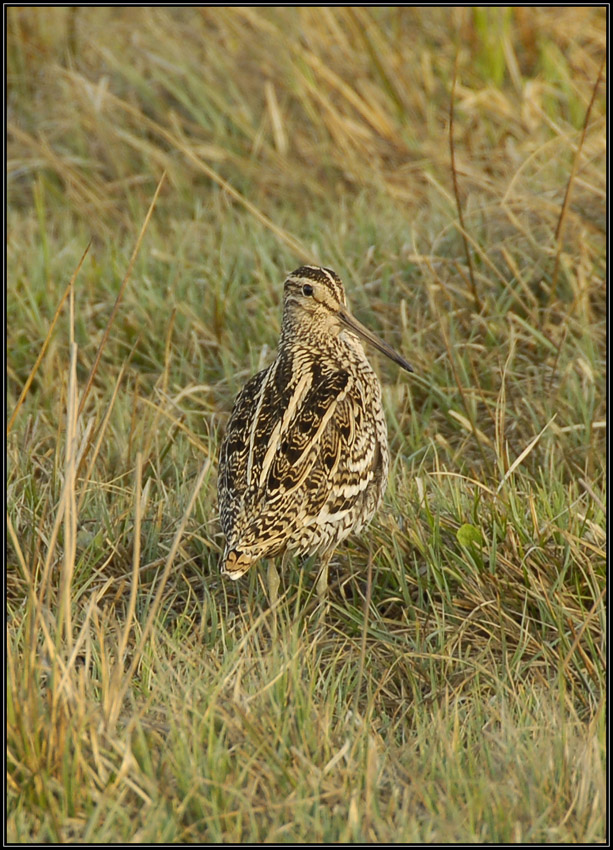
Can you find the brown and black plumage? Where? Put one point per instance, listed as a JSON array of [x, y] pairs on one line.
[[304, 460]]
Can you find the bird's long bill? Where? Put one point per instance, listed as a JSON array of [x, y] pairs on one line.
[[357, 327]]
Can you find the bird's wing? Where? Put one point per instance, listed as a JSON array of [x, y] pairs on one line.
[[295, 432], [232, 476]]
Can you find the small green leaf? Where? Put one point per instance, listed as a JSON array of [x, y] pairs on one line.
[[468, 534]]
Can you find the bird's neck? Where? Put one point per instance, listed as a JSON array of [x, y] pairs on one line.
[[342, 347]]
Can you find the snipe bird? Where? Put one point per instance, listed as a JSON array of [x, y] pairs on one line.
[[304, 459]]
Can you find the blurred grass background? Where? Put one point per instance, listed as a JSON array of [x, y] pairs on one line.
[[456, 690]]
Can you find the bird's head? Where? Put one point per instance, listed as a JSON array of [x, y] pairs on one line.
[[314, 300]]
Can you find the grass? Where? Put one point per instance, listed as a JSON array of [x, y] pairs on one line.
[[456, 690]]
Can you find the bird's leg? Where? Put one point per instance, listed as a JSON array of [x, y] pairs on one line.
[[322, 583], [273, 583], [322, 576], [273, 579]]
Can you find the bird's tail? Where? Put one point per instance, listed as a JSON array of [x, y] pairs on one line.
[[235, 564]]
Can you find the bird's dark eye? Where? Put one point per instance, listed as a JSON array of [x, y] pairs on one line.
[[307, 289]]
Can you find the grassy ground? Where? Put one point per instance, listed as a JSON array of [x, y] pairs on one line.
[[455, 691]]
